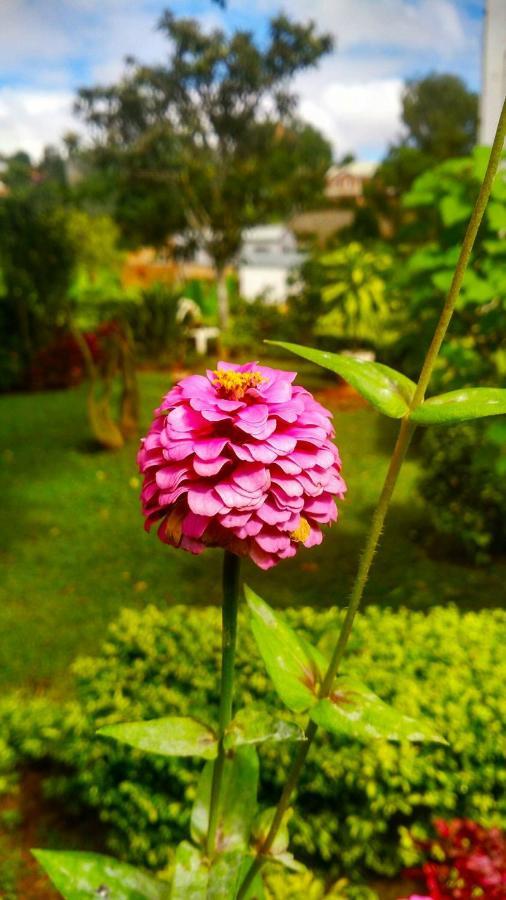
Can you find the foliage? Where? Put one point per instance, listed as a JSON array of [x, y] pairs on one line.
[[37, 259], [441, 201], [95, 238], [344, 294], [452, 670], [251, 323], [305, 303], [440, 118], [79, 876], [441, 115], [17, 171], [465, 861], [355, 289], [61, 363], [282, 885], [464, 486], [77, 535], [199, 128], [154, 324]]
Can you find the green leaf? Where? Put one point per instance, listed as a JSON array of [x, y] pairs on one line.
[[196, 879], [459, 406], [238, 801], [442, 280], [332, 291], [353, 710], [262, 827], [496, 213], [453, 210], [191, 874], [293, 665], [279, 849], [79, 875], [226, 877], [172, 736], [387, 390], [255, 726]]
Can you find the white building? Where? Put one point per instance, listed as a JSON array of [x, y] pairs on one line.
[[267, 260], [493, 88]]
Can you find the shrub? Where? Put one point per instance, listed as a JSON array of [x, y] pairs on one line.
[[465, 487], [36, 260], [153, 322], [253, 322], [281, 885], [354, 801], [440, 203]]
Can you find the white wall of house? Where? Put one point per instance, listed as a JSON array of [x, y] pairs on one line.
[[270, 282], [267, 259]]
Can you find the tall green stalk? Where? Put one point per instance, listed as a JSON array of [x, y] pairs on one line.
[[231, 567], [403, 440]]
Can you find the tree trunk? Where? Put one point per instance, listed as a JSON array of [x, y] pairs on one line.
[[222, 296]]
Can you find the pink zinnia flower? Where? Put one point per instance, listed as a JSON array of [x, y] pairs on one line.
[[241, 459]]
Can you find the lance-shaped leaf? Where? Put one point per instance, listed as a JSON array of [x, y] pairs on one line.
[[191, 874], [278, 851], [255, 726], [459, 406], [196, 878], [227, 875], [294, 666], [386, 389], [357, 712], [80, 876], [238, 801], [171, 736]]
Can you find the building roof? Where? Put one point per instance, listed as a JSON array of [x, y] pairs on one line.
[[264, 233], [321, 222], [357, 169]]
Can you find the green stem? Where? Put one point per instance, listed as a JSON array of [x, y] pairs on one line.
[[403, 440], [231, 566]]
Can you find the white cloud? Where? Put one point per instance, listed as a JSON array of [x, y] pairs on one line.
[[30, 119], [353, 95], [441, 27], [31, 32], [362, 117]]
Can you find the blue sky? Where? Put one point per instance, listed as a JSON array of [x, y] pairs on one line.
[[48, 48]]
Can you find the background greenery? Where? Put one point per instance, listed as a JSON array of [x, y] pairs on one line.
[[74, 550], [153, 663], [202, 147]]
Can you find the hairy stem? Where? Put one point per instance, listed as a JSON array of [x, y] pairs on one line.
[[403, 440], [231, 566]]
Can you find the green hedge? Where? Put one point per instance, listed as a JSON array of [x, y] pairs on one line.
[[354, 801], [464, 484]]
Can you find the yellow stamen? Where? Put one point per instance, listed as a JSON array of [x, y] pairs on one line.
[[302, 531], [235, 384]]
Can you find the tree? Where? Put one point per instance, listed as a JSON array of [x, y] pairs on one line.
[[440, 115], [213, 128], [16, 171], [37, 258]]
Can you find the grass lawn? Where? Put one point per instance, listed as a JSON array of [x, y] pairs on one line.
[[74, 550]]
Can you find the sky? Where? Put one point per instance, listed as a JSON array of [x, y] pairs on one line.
[[50, 48]]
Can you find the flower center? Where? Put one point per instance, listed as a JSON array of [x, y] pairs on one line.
[[234, 385], [302, 531]]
